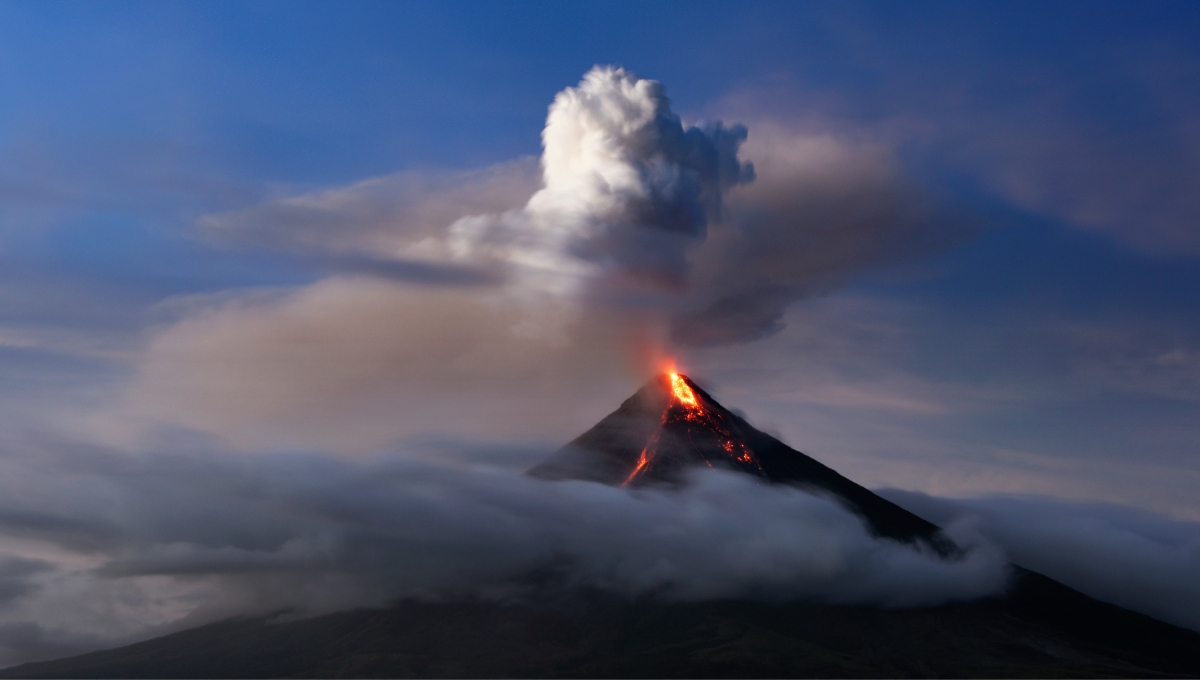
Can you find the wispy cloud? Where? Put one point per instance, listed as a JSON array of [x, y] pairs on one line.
[[132, 542], [1119, 554]]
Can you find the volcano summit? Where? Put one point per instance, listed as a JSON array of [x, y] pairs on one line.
[[671, 425]]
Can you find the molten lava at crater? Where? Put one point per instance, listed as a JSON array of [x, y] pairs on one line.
[[670, 426], [688, 417]]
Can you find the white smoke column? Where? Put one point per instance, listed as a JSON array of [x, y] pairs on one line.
[[627, 189]]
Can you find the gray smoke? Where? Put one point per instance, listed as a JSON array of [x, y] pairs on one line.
[[504, 296], [711, 230]]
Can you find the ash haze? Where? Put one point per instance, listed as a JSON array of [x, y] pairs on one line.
[[277, 278]]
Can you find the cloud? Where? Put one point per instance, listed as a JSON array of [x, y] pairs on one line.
[[1025, 396], [822, 209], [14, 576], [634, 207], [438, 533], [181, 538], [1111, 147], [1107, 144], [403, 215], [645, 233], [627, 188], [1132, 173], [353, 363], [1130, 557]]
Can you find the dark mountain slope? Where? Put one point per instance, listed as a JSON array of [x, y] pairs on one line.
[[671, 425], [1043, 630], [1040, 628]]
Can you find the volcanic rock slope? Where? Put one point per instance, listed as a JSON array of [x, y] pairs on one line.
[[1039, 628], [671, 425]]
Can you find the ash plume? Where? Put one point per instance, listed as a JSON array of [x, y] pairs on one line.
[[627, 187], [636, 233], [635, 208]]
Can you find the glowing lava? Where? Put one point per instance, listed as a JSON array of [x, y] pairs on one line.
[[681, 391], [685, 406]]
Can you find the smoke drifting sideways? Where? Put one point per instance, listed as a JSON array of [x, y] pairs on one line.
[[1130, 557], [116, 547], [555, 282], [639, 211], [634, 209]]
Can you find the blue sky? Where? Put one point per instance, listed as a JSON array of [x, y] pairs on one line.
[[1044, 340]]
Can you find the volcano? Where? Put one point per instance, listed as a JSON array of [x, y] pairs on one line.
[[671, 425], [1038, 628]]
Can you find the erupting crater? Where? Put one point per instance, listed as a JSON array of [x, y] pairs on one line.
[[671, 426], [697, 424]]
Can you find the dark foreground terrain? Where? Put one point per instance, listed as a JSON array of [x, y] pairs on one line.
[[1042, 629], [1039, 629]]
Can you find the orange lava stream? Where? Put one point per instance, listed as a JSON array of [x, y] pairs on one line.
[[693, 412], [681, 391], [643, 460]]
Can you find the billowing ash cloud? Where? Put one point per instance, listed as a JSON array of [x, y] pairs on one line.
[[638, 209], [820, 210], [1130, 557], [627, 187], [643, 233], [635, 209], [132, 543]]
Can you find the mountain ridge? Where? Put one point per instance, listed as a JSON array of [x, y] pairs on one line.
[[1037, 628], [613, 448]]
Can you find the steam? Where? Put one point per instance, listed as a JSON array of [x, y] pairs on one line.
[[636, 210], [643, 233], [135, 546], [1130, 557], [639, 210], [627, 188]]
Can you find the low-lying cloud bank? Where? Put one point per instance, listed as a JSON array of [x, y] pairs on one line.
[[1133, 558], [118, 546], [103, 547]]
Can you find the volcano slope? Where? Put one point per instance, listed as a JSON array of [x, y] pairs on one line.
[[671, 425], [1038, 628]]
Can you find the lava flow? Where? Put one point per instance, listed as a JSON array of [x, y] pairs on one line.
[[684, 406]]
